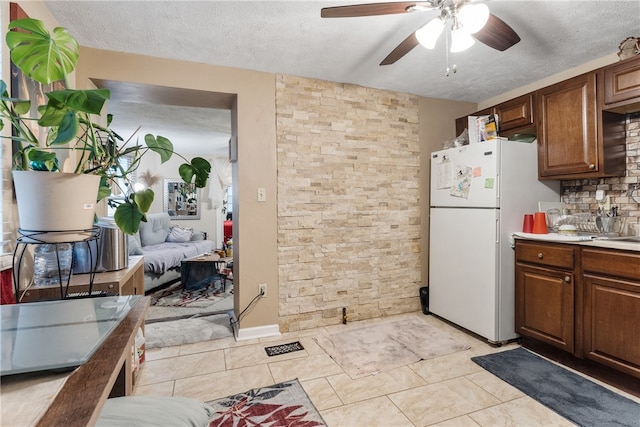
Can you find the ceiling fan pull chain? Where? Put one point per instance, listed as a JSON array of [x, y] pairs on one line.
[[454, 67]]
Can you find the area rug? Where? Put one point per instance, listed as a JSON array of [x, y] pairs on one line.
[[569, 394], [187, 331], [386, 345], [177, 296], [279, 405]]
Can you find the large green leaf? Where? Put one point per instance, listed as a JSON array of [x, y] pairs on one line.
[[88, 101], [160, 145], [199, 168], [42, 160], [144, 199], [40, 55], [128, 217], [67, 129]]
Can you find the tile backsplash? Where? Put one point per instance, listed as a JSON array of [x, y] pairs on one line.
[[580, 195]]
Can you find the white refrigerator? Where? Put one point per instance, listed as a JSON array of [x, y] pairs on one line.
[[479, 195]]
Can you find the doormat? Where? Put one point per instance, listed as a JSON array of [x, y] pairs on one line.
[[283, 348], [387, 345], [283, 404], [571, 395]]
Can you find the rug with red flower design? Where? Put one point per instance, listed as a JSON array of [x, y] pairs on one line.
[[280, 405]]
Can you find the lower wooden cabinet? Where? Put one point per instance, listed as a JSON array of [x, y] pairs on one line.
[[582, 300], [611, 334], [544, 305]]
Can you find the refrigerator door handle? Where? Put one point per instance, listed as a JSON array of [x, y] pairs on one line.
[[497, 230]]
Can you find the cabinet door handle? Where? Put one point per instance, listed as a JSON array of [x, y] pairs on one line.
[[567, 279], [540, 256], [592, 166]]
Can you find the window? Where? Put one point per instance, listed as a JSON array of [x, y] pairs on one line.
[[121, 187]]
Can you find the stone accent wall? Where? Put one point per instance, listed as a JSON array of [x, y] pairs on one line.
[[580, 195], [348, 202]]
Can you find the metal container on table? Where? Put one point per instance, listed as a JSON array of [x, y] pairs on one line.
[[108, 253]]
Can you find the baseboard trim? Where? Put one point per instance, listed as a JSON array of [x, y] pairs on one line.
[[257, 332]]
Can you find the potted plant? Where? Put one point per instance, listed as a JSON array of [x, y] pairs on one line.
[[72, 121]]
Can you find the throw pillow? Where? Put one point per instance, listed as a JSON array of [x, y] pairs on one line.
[[179, 234], [133, 244], [197, 235]]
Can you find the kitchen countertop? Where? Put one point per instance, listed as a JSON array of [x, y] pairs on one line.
[[584, 240]]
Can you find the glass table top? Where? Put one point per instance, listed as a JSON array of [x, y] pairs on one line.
[[48, 335]]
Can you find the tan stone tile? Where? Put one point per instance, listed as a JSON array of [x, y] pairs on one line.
[[355, 390], [156, 371], [463, 421], [305, 368], [203, 346], [442, 401], [221, 384], [162, 353], [321, 393], [370, 413], [495, 386], [446, 367], [158, 389], [523, 411]]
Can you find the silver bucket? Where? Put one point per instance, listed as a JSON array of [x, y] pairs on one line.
[[114, 252]]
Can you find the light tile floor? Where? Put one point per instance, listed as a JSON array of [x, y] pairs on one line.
[[447, 391]]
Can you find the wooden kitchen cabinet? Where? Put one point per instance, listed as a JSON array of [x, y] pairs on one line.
[[576, 139], [566, 126], [516, 115], [612, 308], [622, 85], [580, 305], [545, 293]]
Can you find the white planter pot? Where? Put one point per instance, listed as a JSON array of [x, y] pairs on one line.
[[59, 206]]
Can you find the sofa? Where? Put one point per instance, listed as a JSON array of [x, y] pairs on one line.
[[164, 245]]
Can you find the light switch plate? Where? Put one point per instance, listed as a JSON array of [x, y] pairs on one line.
[[262, 194]]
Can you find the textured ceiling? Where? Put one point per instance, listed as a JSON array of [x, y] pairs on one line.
[[291, 38]]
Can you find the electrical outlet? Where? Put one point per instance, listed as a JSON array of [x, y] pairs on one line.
[[262, 289]]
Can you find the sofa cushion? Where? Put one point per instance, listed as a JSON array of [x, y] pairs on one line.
[[179, 234], [133, 242], [156, 229], [164, 256]]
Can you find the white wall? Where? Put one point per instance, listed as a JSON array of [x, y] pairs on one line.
[[209, 210]]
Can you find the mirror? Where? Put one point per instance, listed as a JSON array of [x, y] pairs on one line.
[[181, 199]]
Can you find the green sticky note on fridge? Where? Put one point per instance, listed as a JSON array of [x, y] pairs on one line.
[[488, 183]]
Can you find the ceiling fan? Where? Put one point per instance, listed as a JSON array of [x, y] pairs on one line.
[[469, 21]]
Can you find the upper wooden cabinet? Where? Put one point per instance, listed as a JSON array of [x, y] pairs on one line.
[[576, 140], [622, 85], [515, 114]]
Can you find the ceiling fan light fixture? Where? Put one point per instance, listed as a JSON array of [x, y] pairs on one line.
[[473, 17], [428, 34], [460, 39]]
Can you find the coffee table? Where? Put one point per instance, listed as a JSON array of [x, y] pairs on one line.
[[200, 270]]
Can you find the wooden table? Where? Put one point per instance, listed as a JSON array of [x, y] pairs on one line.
[[76, 398], [128, 281], [201, 270]]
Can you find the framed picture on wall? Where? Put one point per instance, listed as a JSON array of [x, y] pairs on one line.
[[181, 199]]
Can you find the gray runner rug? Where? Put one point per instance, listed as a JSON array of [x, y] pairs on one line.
[[187, 331], [569, 394]]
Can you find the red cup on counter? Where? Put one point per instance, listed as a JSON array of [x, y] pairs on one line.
[[527, 226], [539, 223]]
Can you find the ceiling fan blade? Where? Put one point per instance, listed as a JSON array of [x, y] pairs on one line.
[[373, 9], [497, 34], [401, 50]]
